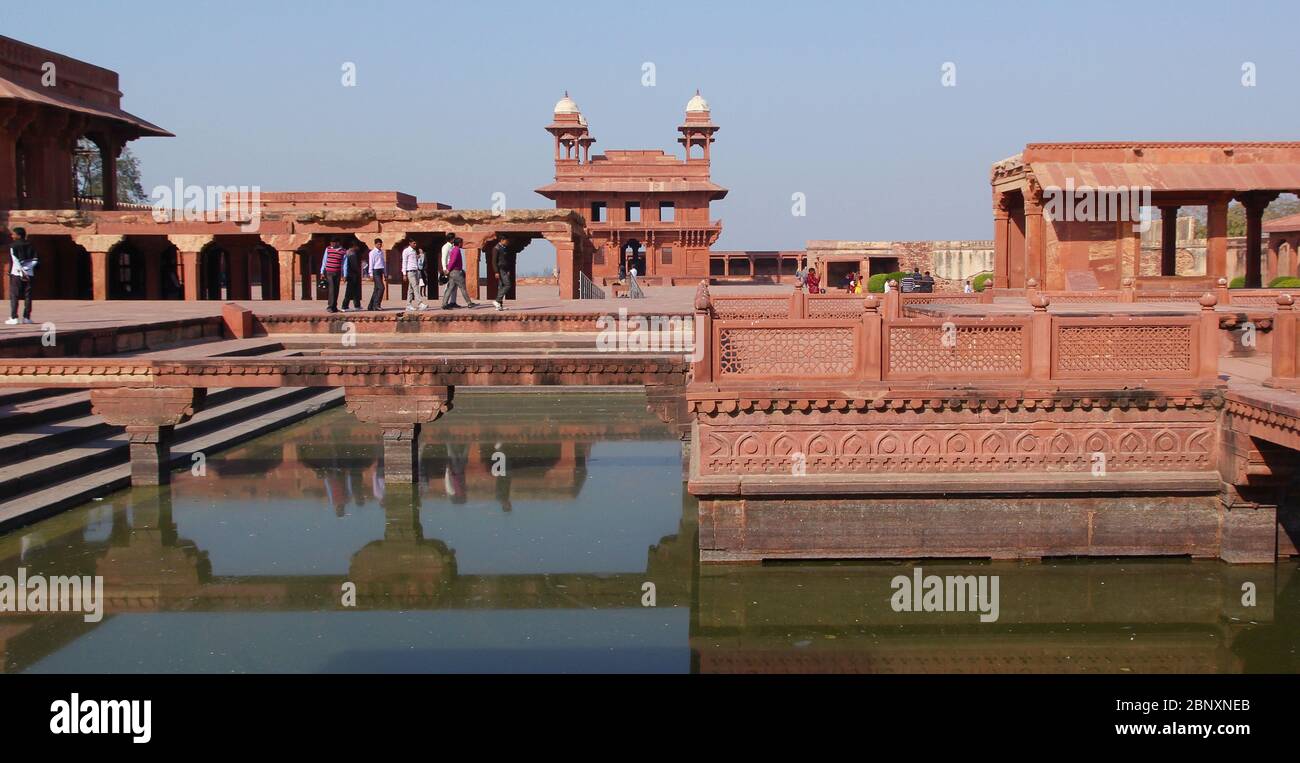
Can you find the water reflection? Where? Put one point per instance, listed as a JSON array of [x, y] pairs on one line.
[[528, 546]]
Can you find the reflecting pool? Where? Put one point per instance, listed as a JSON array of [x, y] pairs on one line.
[[552, 532]]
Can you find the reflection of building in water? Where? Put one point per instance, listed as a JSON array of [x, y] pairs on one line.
[[546, 458], [403, 570], [1157, 616]]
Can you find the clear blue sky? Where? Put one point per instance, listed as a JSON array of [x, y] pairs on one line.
[[840, 101]]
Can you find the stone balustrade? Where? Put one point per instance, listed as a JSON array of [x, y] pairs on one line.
[[852, 338]]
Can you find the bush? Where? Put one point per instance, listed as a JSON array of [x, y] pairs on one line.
[[1237, 283], [980, 281], [1284, 282], [876, 283]]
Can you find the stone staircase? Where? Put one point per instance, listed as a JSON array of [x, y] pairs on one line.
[[55, 454]]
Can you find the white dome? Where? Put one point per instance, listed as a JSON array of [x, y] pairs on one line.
[[566, 105], [697, 104]]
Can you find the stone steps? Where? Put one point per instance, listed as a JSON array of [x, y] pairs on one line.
[[48, 437], [61, 405], [42, 485]]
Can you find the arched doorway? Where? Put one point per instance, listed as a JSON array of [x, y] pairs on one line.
[[633, 257], [212, 272], [172, 286], [126, 272]]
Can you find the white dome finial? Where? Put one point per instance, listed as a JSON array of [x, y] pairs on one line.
[[566, 105], [697, 103]]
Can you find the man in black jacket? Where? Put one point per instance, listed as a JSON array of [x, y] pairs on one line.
[[501, 259], [22, 272]]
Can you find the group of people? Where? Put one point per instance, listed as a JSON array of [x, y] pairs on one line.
[[854, 283], [916, 281], [346, 267]]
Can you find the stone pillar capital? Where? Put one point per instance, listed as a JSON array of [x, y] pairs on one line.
[[286, 242], [189, 242], [93, 242]]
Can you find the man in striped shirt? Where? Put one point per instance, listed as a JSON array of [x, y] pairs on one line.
[[331, 269]]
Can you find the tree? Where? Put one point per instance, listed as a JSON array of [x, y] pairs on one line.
[[88, 171], [1281, 207]]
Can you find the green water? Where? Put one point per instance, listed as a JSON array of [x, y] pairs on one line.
[[553, 533]]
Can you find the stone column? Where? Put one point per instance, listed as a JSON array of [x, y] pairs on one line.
[[399, 412], [1271, 269], [1216, 245], [1035, 237], [239, 286], [187, 249], [98, 246], [149, 414], [108, 154], [471, 253], [286, 246], [1001, 241], [564, 257], [1254, 202], [13, 120], [1168, 241]]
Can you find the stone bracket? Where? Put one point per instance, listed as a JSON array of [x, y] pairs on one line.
[[137, 407], [398, 407]]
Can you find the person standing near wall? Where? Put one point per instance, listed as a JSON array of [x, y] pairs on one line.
[[352, 279], [331, 269], [378, 273], [22, 276], [411, 272]]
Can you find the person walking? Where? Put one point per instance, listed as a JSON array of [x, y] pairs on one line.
[[505, 277], [411, 272], [352, 278], [378, 274], [444, 274], [22, 276], [456, 277], [968, 288], [331, 269]]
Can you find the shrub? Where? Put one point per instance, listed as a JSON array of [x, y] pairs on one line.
[[1237, 283], [1284, 282], [876, 283], [980, 281]]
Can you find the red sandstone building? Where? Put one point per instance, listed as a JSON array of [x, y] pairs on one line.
[[645, 207], [48, 103], [1086, 254], [93, 248]]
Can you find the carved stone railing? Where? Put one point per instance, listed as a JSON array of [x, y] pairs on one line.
[[855, 338]]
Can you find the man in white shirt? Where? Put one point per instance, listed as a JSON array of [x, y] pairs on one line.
[[378, 270], [411, 270]]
